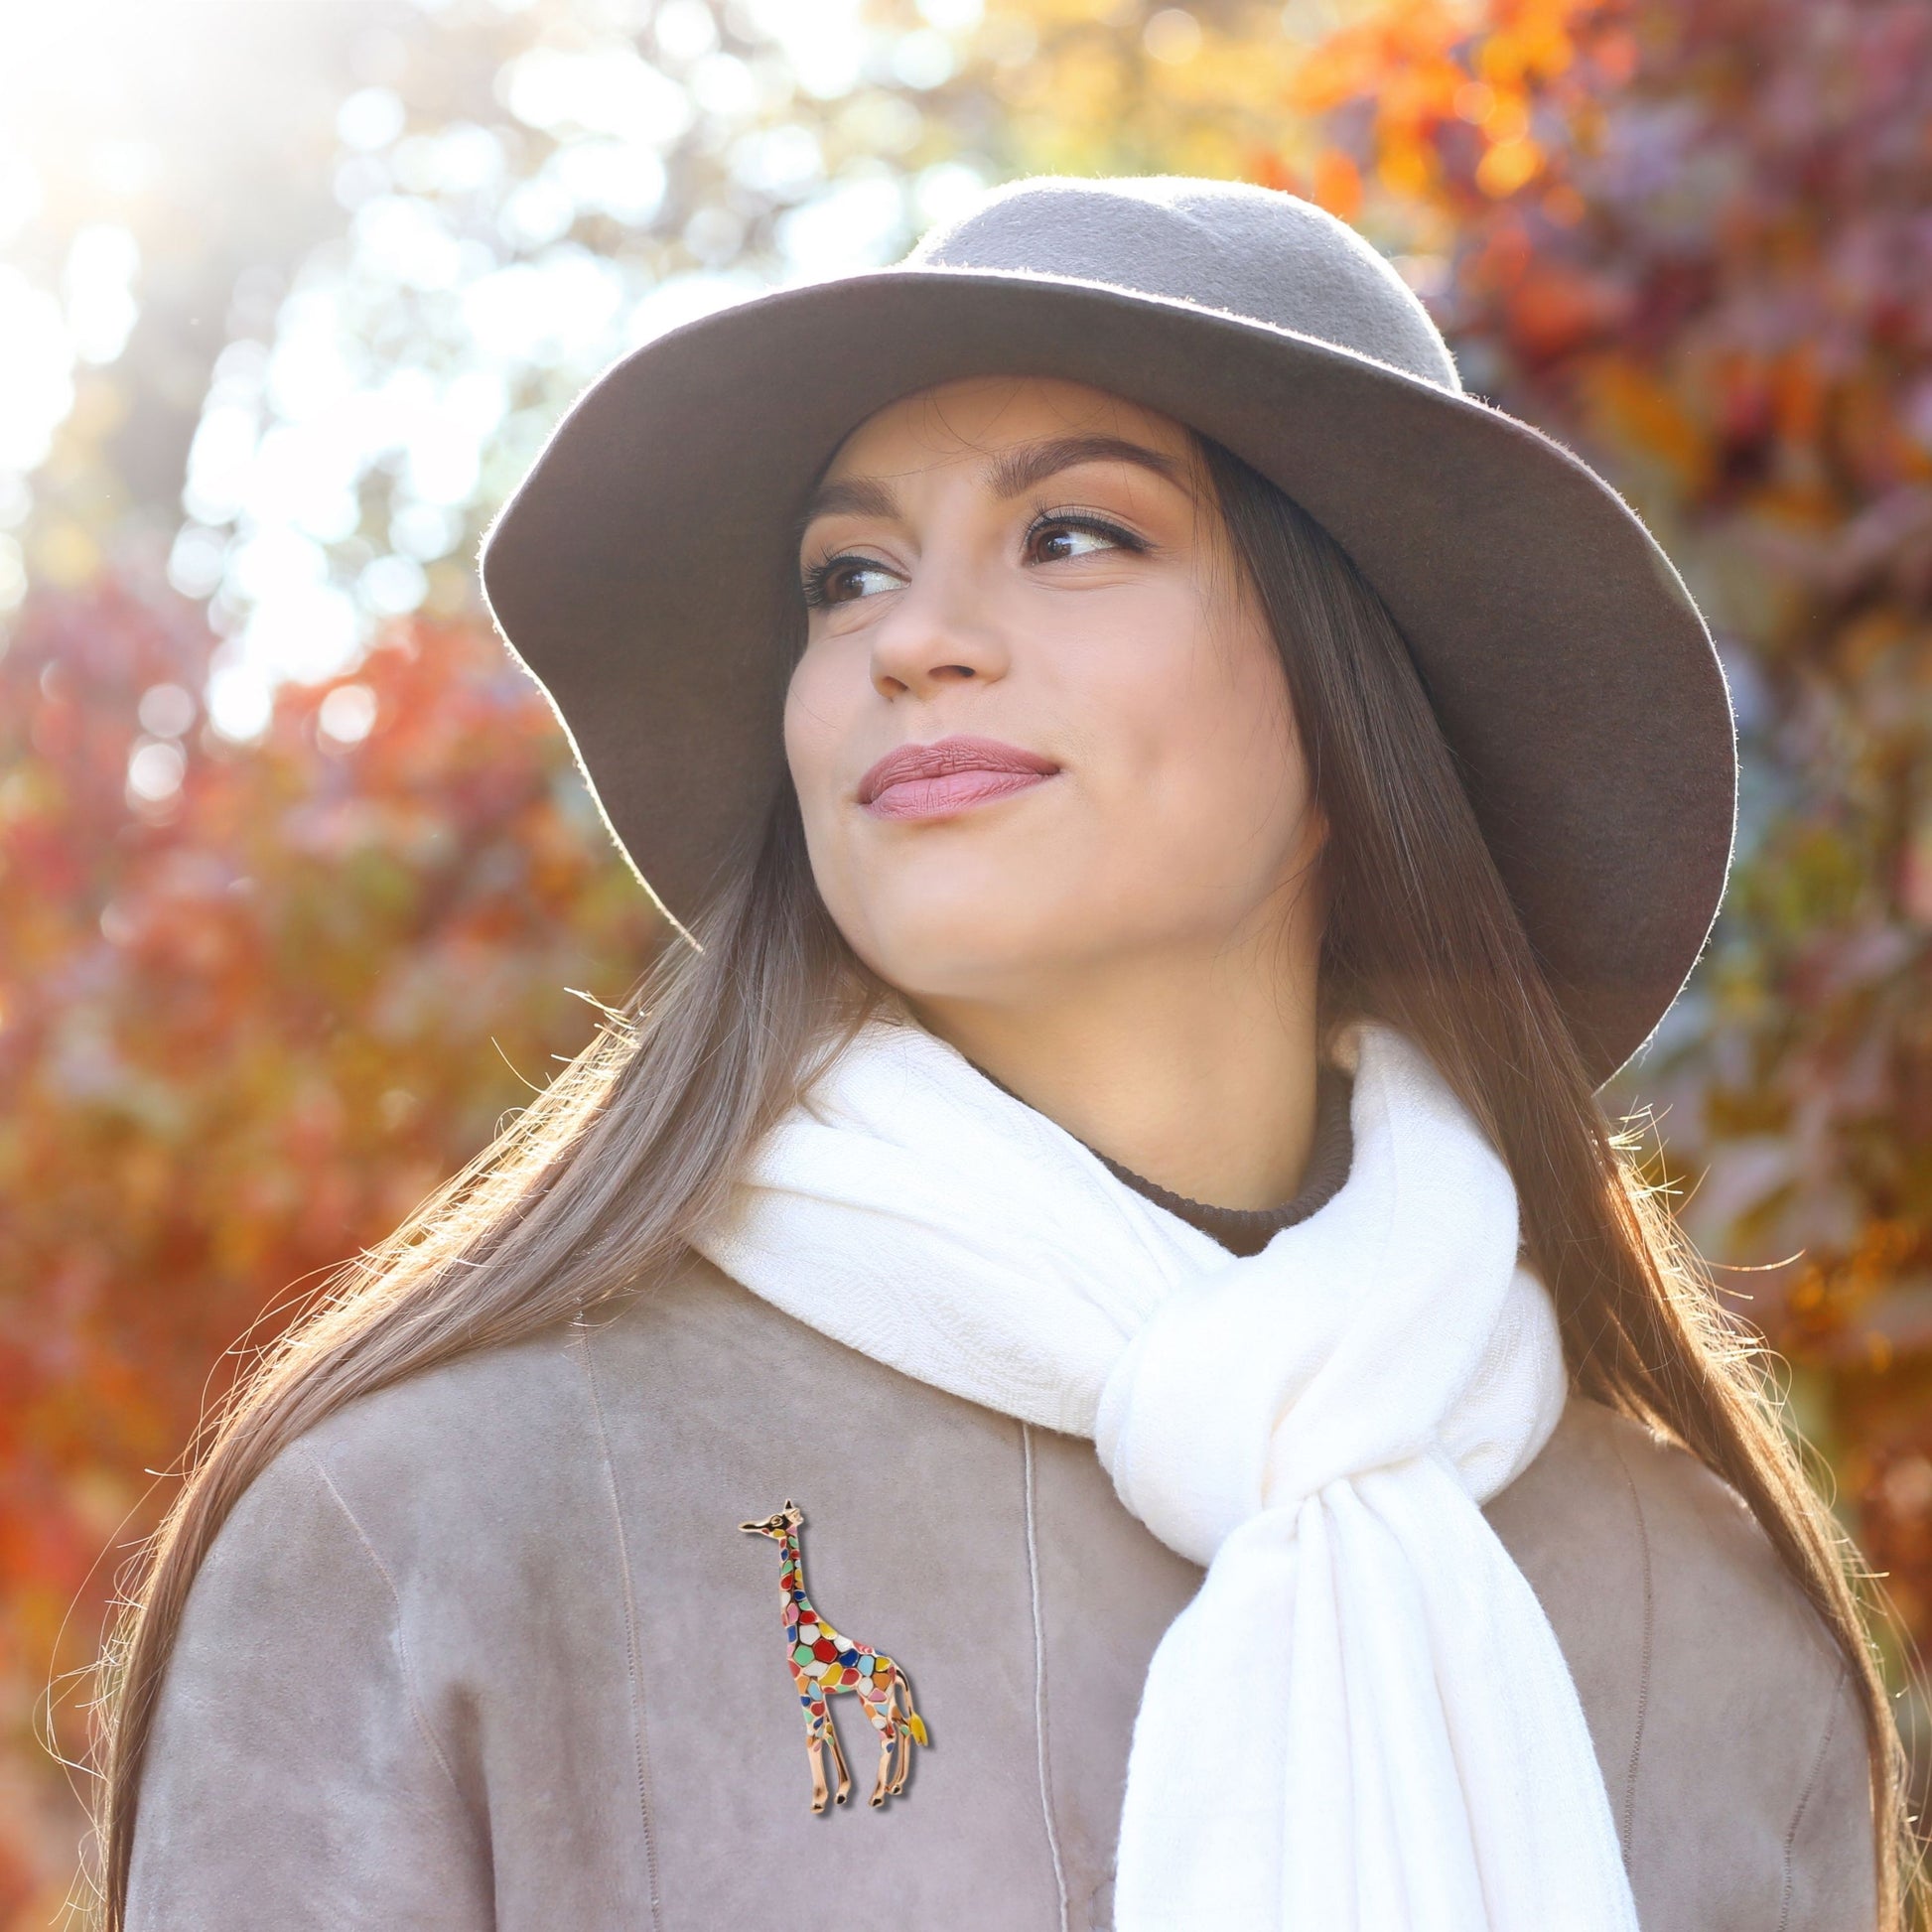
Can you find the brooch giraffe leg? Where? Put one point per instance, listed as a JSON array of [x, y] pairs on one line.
[[912, 1730], [819, 1732], [823, 1663], [888, 1702]]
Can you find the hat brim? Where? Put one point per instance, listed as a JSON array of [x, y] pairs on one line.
[[641, 574]]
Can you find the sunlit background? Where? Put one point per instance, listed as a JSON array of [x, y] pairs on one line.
[[296, 890]]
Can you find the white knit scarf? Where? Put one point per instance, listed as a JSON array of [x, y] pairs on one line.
[[1362, 1721]]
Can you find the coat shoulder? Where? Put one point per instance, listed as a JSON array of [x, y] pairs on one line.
[[491, 1438], [511, 1437], [403, 1690], [1609, 1496], [1728, 1721]]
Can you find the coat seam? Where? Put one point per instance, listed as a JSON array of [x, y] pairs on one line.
[[581, 1342], [1628, 1819], [1804, 1796], [410, 1693], [1040, 1676]]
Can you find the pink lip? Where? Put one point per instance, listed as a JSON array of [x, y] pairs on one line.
[[949, 775]]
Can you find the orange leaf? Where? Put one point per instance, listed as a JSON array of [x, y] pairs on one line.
[[1337, 184]]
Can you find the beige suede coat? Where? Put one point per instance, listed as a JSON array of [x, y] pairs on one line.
[[488, 1649]]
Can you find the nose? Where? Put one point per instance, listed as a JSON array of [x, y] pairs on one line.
[[940, 631]]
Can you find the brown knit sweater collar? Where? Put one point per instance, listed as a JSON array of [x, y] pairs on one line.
[[1247, 1230]]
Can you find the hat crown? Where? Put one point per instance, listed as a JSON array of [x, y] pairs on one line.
[[1254, 252]]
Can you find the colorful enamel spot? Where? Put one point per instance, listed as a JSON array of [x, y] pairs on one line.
[[823, 1663]]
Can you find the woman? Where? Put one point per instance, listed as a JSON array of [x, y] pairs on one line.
[[1178, 809]]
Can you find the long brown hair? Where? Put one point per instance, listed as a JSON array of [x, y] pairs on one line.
[[598, 1185]]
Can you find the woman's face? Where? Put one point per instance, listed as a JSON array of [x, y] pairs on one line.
[[1038, 728]]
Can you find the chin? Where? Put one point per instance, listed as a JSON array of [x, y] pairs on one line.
[[970, 947]]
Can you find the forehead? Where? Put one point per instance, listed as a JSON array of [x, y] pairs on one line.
[[977, 416]]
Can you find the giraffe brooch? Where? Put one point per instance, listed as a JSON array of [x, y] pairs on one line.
[[823, 1663]]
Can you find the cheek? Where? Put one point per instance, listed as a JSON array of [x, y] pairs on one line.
[[1200, 757], [825, 703], [818, 720]]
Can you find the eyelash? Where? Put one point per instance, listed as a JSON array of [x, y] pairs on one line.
[[817, 575]]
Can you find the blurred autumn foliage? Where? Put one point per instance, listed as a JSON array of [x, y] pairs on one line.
[[242, 1029], [251, 978]]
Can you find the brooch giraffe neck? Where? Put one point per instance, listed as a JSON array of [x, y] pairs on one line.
[[823, 1663]]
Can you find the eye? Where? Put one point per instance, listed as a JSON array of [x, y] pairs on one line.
[[844, 580], [1064, 534]]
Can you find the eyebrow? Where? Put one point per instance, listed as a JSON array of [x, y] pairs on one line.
[[1010, 474]]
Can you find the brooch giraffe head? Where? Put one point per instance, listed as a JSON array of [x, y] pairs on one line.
[[823, 1663]]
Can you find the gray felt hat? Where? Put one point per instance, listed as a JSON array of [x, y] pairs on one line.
[[644, 571]]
